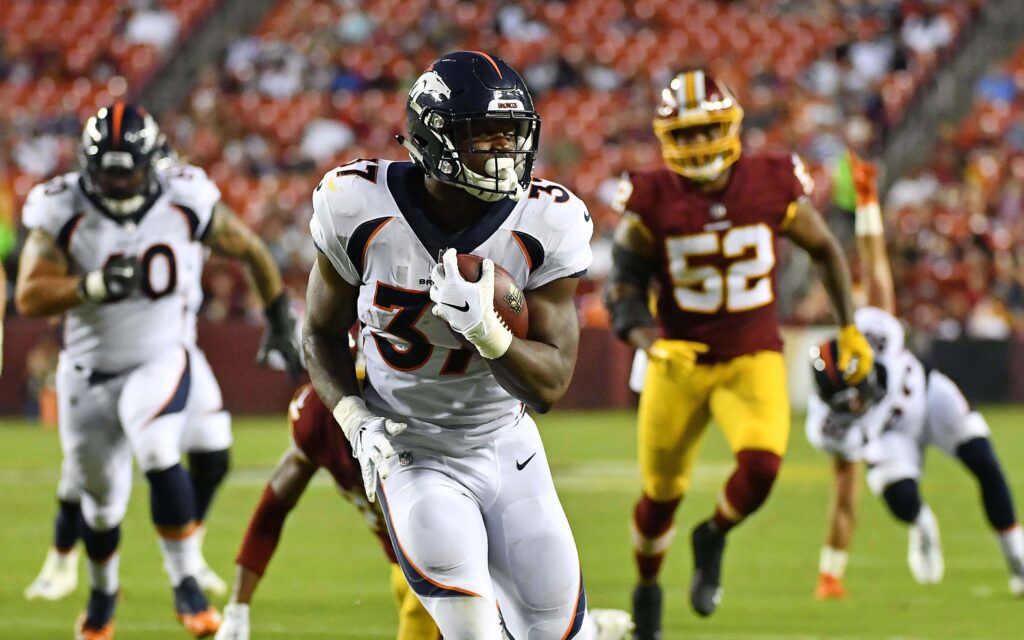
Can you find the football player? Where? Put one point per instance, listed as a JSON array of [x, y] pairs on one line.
[[703, 229], [58, 577], [118, 248], [317, 442], [440, 428], [889, 419]]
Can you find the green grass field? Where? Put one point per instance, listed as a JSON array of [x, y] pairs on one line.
[[329, 578]]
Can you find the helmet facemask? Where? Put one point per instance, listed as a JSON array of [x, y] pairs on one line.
[[842, 397], [456, 143], [119, 174], [706, 157]]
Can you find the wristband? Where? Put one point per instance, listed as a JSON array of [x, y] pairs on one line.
[[350, 413], [490, 337], [91, 287], [868, 220]]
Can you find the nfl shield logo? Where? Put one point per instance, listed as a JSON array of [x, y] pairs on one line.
[[717, 211], [405, 458]]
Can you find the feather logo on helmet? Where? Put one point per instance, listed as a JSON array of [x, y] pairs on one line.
[[430, 83]]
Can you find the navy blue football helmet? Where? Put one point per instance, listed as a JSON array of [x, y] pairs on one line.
[[838, 394], [460, 96], [119, 145]]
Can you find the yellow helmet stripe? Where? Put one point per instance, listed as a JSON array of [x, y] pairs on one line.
[[691, 90]]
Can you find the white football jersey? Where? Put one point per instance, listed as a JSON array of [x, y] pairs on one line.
[[166, 238], [903, 407], [367, 221]]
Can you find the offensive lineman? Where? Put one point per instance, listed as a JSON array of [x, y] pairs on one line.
[[58, 577], [440, 429], [889, 419], [704, 228], [119, 249], [317, 442]]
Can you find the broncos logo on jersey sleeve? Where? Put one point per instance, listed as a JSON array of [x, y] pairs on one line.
[[343, 225], [554, 234], [193, 194], [55, 207]]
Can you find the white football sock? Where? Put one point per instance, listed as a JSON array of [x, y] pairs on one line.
[[104, 575], [181, 557], [1011, 541], [832, 562]]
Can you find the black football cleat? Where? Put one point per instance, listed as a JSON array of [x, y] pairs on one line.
[[97, 622], [647, 612], [706, 587]]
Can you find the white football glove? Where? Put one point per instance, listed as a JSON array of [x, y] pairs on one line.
[[370, 437], [468, 307], [235, 625]]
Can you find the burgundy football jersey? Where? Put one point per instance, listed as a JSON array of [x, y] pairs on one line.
[[320, 439], [716, 251]]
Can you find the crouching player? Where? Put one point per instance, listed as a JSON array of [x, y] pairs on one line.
[[889, 419], [317, 442]]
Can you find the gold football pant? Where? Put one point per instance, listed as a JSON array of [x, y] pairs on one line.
[[746, 396]]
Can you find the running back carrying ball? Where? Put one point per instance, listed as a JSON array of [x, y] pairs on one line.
[[509, 301]]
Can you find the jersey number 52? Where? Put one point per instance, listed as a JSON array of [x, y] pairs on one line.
[[741, 286]]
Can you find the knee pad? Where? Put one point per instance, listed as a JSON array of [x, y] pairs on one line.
[[171, 498], [67, 527], [903, 499], [209, 468], [541, 555], [978, 456], [652, 518], [752, 480], [100, 545]]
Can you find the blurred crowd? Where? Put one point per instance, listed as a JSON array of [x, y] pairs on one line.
[[321, 82]]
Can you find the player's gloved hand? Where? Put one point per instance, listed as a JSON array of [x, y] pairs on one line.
[[865, 180], [468, 307], [370, 436], [279, 347], [117, 280], [678, 356], [855, 356], [236, 622]]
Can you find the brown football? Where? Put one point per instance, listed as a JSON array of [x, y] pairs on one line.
[[509, 301]]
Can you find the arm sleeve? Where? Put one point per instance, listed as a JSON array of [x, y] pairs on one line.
[[329, 236]]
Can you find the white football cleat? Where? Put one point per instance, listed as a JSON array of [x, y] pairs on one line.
[[1017, 586], [612, 624], [236, 623], [924, 550], [207, 578], [210, 582], [58, 577]]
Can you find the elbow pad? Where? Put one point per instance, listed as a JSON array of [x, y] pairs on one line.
[[627, 314], [634, 272]]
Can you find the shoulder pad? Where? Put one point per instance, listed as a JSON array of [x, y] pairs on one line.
[[51, 204], [189, 188]]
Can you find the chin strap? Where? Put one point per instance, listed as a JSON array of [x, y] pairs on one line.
[[505, 175]]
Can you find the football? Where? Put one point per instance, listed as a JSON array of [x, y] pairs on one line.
[[509, 301]]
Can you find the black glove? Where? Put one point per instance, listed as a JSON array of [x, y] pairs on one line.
[[280, 336], [117, 280]]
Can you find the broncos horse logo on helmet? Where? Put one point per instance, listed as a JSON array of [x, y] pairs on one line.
[[693, 101], [456, 99], [833, 388], [119, 145]]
